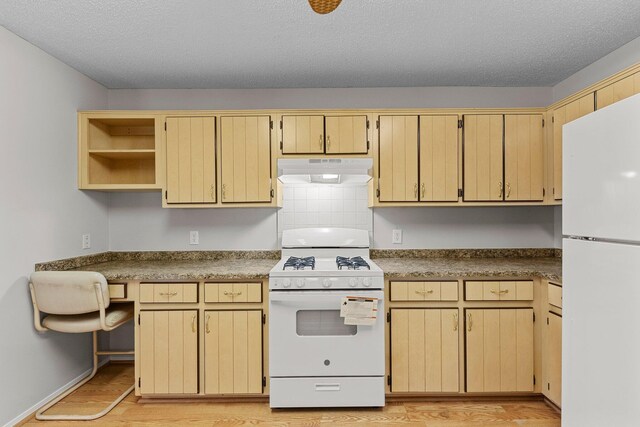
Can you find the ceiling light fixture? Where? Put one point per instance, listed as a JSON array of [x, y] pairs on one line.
[[324, 6]]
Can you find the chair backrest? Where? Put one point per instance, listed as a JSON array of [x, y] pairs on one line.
[[69, 292]]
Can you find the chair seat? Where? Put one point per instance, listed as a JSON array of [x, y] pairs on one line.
[[115, 315]]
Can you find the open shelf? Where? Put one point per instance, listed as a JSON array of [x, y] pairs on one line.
[[120, 152]]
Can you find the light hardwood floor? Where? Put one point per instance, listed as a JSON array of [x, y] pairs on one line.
[[116, 377]]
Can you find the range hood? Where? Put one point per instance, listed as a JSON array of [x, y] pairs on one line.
[[327, 171]]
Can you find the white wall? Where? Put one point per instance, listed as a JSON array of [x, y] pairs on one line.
[[42, 215]]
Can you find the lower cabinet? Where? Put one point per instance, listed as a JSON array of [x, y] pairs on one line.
[[499, 345], [169, 352], [424, 350], [232, 351], [553, 388]]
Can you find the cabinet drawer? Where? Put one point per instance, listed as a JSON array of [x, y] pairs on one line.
[[233, 292], [555, 295], [499, 290], [424, 291], [168, 292], [117, 290]]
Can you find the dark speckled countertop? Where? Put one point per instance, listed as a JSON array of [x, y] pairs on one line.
[[247, 265]]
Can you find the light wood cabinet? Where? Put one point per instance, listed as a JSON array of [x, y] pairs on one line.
[[499, 345], [424, 291], [554, 293], [424, 350], [439, 158], [499, 290], [561, 116], [245, 144], [398, 156], [618, 91], [117, 152], [168, 292], [233, 352], [302, 134], [346, 134], [483, 157], [523, 151], [553, 388], [168, 352], [191, 160], [232, 292]]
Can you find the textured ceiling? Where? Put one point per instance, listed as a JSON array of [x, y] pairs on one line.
[[364, 43]]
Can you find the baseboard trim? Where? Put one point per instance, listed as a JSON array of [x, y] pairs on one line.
[[29, 413]]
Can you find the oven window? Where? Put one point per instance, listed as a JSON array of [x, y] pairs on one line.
[[322, 323]]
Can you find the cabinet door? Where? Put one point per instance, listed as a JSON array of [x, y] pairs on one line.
[[565, 114], [439, 158], [483, 157], [424, 350], [302, 134], [618, 91], [524, 167], [499, 350], [191, 160], [346, 134], [398, 153], [245, 144], [169, 352], [233, 352], [553, 390]]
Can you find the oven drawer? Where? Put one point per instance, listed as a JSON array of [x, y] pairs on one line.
[[326, 392], [233, 292], [521, 290], [168, 292], [424, 291]]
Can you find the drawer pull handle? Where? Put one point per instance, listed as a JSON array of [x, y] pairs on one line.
[[232, 294], [327, 387], [423, 191], [193, 323], [415, 190], [224, 191], [207, 324], [469, 323], [212, 191], [508, 190], [502, 292], [168, 294], [455, 321], [430, 291]]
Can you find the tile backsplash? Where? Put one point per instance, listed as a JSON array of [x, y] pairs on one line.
[[324, 205]]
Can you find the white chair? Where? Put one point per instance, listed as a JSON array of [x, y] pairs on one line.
[[76, 302]]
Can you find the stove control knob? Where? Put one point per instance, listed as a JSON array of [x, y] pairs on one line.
[[366, 282], [299, 283], [326, 283], [353, 283], [286, 283]]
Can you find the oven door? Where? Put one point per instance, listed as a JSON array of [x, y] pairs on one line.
[[308, 338]]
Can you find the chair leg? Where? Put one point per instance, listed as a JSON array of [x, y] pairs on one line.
[[40, 413]]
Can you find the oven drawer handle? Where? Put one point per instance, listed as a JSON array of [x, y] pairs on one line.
[[328, 387]]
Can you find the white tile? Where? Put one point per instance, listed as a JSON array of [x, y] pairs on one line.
[[349, 205], [288, 193], [337, 219], [288, 221], [312, 193], [313, 205], [324, 205], [362, 193], [301, 219], [300, 193], [337, 193], [312, 218], [349, 219], [349, 193], [363, 218], [287, 205], [324, 219], [300, 205], [324, 192], [337, 205]]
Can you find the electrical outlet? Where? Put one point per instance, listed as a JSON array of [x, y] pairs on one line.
[[396, 236], [86, 241], [194, 238]]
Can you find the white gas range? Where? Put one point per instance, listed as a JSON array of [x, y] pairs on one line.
[[315, 359]]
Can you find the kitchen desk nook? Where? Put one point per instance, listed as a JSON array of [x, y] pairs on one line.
[[457, 322]]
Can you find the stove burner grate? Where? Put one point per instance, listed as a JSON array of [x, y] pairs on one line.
[[354, 263], [297, 263]]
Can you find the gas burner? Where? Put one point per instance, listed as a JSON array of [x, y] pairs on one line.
[[351, 263], [297, 263]]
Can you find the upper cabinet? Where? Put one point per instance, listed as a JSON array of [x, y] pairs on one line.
[[191, 160], [118, 152], [618, 91], [398, 154], [483, 157], [503, 158], [523, 157], [562, 115], [245, 144], [346, 134], [302, 134], [439, 158]]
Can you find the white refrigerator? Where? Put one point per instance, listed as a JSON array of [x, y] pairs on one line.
[[601, 268]]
